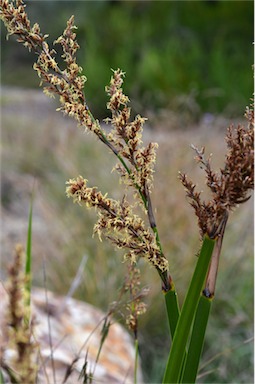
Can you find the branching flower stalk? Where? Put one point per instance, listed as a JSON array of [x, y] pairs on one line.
[[136, 162]]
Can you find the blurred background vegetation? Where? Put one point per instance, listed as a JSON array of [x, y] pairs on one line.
[[191, 56], [188, 59]]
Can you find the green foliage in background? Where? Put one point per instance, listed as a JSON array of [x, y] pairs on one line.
[[183, 55]]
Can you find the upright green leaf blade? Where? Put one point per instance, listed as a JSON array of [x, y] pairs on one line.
[[1, 377], [197, 340], [178, 349], [173, 311], [29, 253]]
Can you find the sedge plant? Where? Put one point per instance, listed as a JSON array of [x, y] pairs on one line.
[[20, 322], [131, 224], [19, 332]]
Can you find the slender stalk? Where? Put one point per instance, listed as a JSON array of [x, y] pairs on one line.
[[28, 273], [29, 241], [136, 361], [214, 265], [104, 334]]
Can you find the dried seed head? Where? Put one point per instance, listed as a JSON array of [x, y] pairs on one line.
[[230, 186]]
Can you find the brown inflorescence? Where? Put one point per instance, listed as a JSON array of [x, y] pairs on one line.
[[231, 185]]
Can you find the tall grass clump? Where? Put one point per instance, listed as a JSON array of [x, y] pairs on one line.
[[130, 223]]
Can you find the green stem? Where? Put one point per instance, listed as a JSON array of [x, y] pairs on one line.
[[136, 361], [1, 377], [29, 241], [28, 263], [173, 311], [178, 349]]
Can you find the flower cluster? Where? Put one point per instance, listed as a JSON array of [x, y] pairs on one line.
[[136, 163], [20, 331], [118, 223], [17, 22], [231, 185], [126, 138], [135, 306], [68, 83]]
